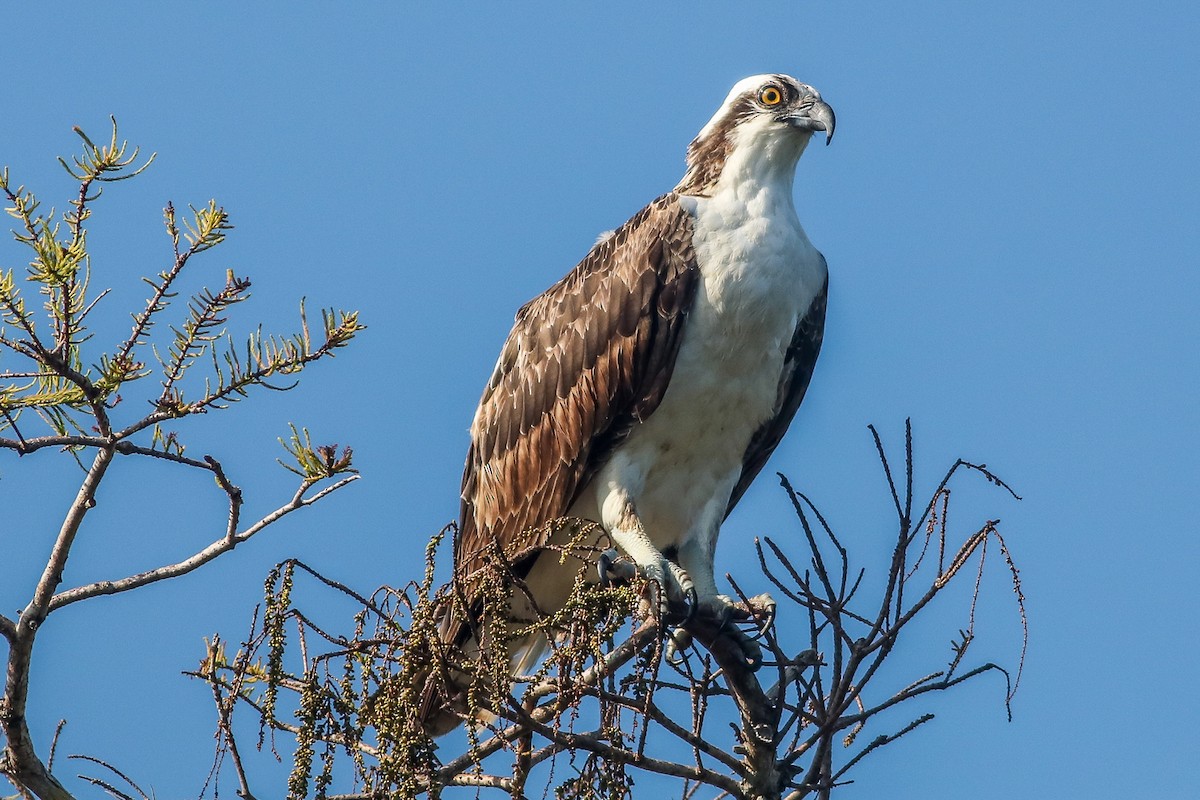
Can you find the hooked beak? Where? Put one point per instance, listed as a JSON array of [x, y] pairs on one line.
[[816, 117]]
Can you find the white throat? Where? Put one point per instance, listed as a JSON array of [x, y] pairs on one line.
[[763, 159]]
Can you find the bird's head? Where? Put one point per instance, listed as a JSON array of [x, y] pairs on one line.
[[763, 126]]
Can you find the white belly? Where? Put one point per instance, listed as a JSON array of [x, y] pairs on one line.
[[759, 273]]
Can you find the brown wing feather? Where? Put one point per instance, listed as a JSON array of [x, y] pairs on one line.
[[798, 369], [584, 361]]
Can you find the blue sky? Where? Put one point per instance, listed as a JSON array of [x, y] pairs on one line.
[[1009, 214]]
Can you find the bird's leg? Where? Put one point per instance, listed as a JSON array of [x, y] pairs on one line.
[[696, 559], [672, 581]]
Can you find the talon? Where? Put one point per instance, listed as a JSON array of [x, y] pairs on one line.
[[613, 569], [673, 587], [604, 567], [678, 640], [657, 599], [693, 604], [768, 621]]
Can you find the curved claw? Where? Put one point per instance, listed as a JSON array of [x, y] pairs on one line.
[[678, 640], [604, 567], [613, 569], [693, 603], [768, 621], [657, 601]]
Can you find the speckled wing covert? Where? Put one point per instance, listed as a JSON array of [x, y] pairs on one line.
[[585, 361]]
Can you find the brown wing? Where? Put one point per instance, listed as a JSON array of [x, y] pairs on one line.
[[585, 360], [798, 367]]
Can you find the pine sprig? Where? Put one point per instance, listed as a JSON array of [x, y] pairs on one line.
[[207, 227], [13, 312], [60, 262], [106, 163], [206, 315], [73, 400], [73, 409], [265, 356], [315, 463]]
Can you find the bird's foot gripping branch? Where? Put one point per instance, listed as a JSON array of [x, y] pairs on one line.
[[618, 691]]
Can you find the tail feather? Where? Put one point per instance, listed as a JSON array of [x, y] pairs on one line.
[[443, 705], [548, 581], [443, 697]]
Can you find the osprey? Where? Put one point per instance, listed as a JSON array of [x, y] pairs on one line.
[[646, 389]]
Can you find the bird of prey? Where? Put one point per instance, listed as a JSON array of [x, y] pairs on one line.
[[646, 389]]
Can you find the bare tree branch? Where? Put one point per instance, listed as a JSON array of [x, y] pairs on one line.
[[73, 402], [593, 742], [24, 446], [599, 700], [199, 559]]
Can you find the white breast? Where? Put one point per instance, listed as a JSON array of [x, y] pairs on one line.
[[758, 274]]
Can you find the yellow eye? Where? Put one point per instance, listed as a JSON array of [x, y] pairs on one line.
[[770, 96]]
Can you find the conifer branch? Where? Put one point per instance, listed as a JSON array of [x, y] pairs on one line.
[[74, 403]]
